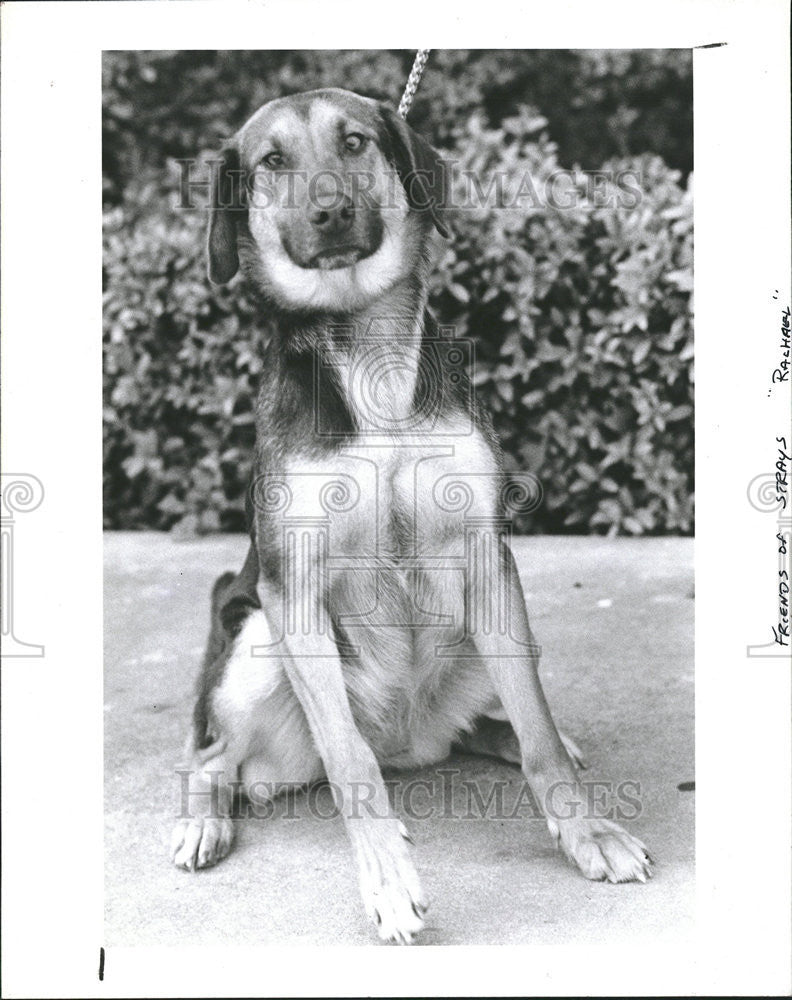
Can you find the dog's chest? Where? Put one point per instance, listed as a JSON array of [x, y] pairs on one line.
[[389, 516], [393, 498]]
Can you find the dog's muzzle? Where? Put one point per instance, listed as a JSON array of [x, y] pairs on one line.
[[332, 234]]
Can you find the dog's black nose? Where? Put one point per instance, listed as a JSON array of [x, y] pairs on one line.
[[336, 217]]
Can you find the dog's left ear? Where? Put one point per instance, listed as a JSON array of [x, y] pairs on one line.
[[423, 173], [227, 194]]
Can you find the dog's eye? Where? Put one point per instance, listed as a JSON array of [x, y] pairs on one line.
[[354, 142], [272, 160]]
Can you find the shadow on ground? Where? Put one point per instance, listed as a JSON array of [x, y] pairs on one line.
[[615, 620]]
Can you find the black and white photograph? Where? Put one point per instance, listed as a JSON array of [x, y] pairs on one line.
[[407, 502], [402, 364]]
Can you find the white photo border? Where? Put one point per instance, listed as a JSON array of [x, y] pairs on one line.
[[51, 370]]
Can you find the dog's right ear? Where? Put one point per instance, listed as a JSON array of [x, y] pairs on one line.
[[227, 203], [421, 169]]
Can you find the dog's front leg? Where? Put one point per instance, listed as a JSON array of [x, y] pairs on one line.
[[498, 621], [389, 884]]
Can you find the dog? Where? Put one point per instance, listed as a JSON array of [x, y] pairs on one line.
[[378, 619]]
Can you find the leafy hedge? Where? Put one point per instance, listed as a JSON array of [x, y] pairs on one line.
[[582, 316], [598, 104], [580, 306]]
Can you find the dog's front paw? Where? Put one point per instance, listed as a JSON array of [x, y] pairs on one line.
[[391, 890], [201, 842], [602, 850]]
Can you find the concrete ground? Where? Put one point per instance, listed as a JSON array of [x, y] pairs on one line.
[[615, 620]]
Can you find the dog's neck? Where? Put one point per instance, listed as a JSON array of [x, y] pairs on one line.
[[371, 355]]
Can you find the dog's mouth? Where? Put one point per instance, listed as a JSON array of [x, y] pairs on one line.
[[332, 251], [334, 258]]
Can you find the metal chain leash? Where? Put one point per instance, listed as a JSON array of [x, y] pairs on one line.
[[412, 81]]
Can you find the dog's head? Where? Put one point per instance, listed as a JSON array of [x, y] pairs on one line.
[[327, 198]]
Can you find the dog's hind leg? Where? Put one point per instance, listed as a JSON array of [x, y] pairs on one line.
[[496, 738], [254, 728], [204, 831]]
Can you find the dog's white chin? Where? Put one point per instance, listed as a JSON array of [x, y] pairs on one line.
[[336, 288]]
